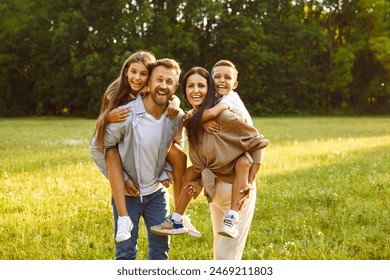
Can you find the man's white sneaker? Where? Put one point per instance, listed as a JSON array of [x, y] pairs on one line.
[[124, 229], [229, 227], [192, 231]]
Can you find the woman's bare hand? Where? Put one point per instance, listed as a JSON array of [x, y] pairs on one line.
[[189, 114], [193, 189], [246, 191]]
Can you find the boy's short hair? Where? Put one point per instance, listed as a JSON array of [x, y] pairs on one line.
[[224, 62], [167, 63]]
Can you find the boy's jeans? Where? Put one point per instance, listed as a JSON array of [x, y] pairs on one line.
[[154, 208]]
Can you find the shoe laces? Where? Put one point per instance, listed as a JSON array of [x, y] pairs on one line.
[[169, 222], [175, 224], [228, 222]]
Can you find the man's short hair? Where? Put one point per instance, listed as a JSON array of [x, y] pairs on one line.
[[167, 63]]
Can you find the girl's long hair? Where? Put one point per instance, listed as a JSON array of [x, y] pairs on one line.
[[194, 130], [118, 93]]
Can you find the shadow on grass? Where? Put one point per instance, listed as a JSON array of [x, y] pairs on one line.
[[331, 211]]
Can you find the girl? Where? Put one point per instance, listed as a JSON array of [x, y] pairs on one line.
[[130, 82]]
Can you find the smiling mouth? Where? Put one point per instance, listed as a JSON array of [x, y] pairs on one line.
[[162, 92], [196, 98]]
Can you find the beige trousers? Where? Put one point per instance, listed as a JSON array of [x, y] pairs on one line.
[[225, 248]]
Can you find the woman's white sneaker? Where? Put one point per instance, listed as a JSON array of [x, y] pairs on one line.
[[229, 227]]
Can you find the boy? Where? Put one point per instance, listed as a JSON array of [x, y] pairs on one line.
[[225, 75]]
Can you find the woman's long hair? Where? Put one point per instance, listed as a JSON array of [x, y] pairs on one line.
[[194, 130], [118, 93]]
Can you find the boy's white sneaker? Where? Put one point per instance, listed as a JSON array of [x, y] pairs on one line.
[[124, 229], [229, 227], [192, 231]]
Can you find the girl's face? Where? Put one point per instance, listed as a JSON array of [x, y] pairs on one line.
[[196, 90], [137, 75]]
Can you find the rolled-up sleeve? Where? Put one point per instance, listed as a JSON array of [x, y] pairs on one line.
[[242, 135], [114, 133]]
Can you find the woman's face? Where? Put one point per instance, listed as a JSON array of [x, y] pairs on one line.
[[137, 75], [196, 90]]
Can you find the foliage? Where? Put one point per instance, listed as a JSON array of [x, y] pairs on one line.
[[294, 57], [322, 193]]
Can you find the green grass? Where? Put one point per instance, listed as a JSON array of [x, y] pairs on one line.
[[323, 193]]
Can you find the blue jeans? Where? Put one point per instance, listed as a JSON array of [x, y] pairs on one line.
[[153, 208]]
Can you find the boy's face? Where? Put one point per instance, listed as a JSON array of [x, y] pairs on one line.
[[225, 79]]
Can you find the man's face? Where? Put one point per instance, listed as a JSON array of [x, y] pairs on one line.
[[163, 83]]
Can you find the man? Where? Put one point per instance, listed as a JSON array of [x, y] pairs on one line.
[[143, 142]]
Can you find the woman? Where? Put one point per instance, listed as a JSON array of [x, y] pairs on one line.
[[214, 156]]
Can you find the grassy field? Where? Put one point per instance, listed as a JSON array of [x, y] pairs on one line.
[[323, 193]]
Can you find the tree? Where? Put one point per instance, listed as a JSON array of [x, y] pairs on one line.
[[293, 57]]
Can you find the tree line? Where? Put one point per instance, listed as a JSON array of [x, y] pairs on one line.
[[293, 56]]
